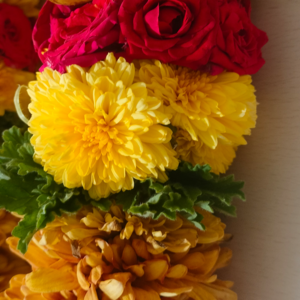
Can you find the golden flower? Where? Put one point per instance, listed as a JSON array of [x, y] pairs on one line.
[[9, 81], [10, 264], [96, 255], [209, 108], [97, 129], [196, 152], [29, 7]]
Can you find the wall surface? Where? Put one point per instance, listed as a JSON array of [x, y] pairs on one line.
[[266, 244]]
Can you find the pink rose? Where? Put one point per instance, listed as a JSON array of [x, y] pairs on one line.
[[83, 35]]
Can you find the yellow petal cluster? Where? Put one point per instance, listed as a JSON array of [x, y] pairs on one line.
[[196, 152], [98, 129], [10, 264], [9, 80], [29, 7], [213, 110], [96, 255]]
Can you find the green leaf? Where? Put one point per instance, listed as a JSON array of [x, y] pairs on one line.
[[186, 188], [8, 120], [104, 204], [25, 230], [25, 188]]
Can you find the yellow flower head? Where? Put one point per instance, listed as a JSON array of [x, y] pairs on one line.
[[10, 264], [97, 129], [9, 81], [196, 152], [29, 7], [209, 108], [97, 255]]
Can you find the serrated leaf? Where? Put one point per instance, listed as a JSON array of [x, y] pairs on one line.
[[187, 186], [25, 188], [25, 230], [177, 202], [205, 205], [224, 209], [4, 174]]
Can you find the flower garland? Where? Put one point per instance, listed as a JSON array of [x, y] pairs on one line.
[[138, 108]]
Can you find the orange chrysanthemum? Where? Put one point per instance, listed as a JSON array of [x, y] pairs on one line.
[[9, 81], [97, 255], [10, 264]]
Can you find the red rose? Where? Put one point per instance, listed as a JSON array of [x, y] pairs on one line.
[[16, 49], [82, 35], [239, 42], [182, 32]]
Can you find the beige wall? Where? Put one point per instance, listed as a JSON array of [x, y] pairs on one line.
[[266, 264]]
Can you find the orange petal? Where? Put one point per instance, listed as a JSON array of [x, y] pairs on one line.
[[193, 260], [177, 271], [112, 288], [94, 259], [128, 256], [145, 294], [91, 294], [34, 256], [128, 293], [106, 250], [140, 248], [155, 269], [138, 270], [171, 288], [84, 283], [50, 280]]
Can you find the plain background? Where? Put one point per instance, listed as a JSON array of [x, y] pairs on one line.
[[266, 244]]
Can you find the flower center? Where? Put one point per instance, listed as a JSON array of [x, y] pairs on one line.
[[191, 81], [168, 19], [98, 136]]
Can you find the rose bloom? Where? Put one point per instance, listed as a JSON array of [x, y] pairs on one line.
[[82, 35], [239, 42], [181, 32], [15, 38]]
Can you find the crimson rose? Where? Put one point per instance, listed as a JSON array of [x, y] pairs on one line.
[[16, 49], [182, 32], [82, 34], [239, 42]]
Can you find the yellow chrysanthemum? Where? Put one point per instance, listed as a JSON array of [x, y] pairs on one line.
[[10, 264], [9, 81], [196, 152], [96, 255], [209, 108], [97, 129], [29, 7]]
